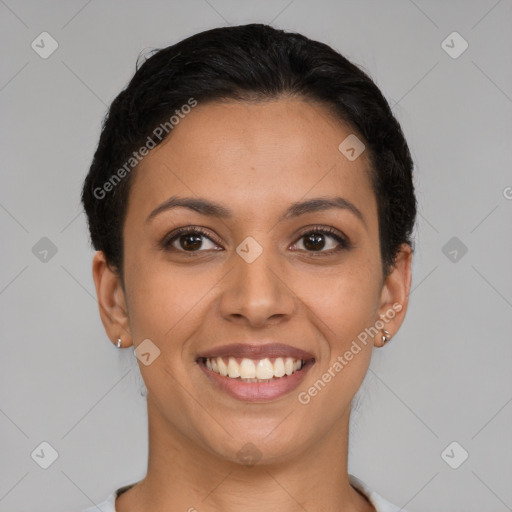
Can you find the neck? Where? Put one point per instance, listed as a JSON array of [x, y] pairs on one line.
[[182, 475]]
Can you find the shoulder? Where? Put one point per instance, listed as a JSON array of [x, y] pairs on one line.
[[109, 504], [104, 506], [380, 504]]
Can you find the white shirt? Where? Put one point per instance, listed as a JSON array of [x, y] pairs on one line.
[[380, 504]]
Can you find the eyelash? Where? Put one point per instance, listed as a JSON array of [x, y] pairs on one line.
[[169, 239]]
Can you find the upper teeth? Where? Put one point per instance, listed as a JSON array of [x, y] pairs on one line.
[[262, 369]]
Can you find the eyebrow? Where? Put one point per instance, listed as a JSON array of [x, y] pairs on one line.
[[213, 209]]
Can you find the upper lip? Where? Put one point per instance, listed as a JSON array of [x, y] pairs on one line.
[[269, 350]]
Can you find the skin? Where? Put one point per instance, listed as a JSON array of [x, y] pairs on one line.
[[255, 159]]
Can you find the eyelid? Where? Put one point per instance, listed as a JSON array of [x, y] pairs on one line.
[[322, 229]]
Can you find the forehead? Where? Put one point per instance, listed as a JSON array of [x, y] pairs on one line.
[[253, 154]]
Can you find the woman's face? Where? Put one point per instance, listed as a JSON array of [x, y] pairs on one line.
[[262, 273]]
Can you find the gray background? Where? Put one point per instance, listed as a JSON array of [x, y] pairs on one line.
[[446, 375]]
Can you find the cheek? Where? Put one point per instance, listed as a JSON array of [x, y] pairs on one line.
[[166, 303], [156, 299], [341, 308], [345, 298], [345, 301], [165, 307]]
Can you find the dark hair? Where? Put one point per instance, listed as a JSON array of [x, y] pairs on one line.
[[252, 62]]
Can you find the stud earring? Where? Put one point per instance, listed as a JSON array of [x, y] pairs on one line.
[[118, 342], [385, 337]]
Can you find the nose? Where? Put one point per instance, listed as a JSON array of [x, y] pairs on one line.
[[256, 293]]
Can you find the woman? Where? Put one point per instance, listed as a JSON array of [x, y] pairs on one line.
[[252, 259]]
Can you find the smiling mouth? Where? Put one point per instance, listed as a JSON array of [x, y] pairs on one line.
[[254, 370]]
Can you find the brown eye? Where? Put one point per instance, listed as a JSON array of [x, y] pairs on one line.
[[321, 240], [188, 240]]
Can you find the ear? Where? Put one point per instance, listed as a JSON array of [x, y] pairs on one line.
[[111, 300], [395, 294]]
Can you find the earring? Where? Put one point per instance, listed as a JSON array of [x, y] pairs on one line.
[[118, 342], [385, 337]]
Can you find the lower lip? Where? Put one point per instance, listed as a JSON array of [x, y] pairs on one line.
[[257, 391]]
